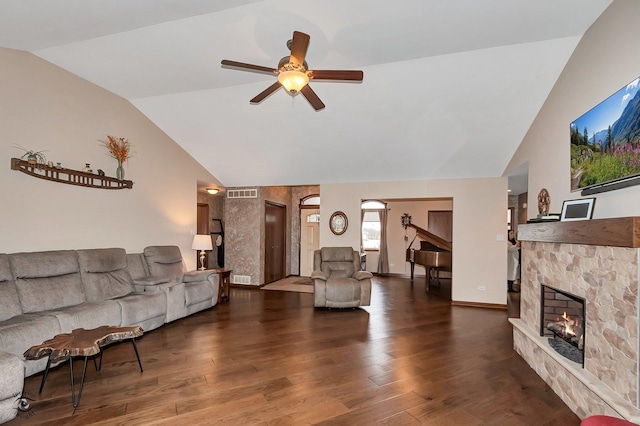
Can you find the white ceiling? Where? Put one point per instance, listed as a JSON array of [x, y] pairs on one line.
[[450, 87]]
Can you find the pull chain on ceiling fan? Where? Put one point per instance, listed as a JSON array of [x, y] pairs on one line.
[[294, 74]]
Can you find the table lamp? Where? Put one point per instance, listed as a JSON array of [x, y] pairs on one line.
[[202, 243]]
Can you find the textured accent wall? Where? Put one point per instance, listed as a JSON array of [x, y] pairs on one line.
[[245, 227], [242, 247]]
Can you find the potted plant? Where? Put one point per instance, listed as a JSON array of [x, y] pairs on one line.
[[34, 158]]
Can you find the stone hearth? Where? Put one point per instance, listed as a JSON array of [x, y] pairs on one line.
[[606, 276]]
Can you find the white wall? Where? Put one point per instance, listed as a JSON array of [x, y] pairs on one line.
[[43, 107], [605, 60], [479, 207]]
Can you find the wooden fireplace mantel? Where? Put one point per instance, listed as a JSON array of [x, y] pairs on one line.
[[614, 232]]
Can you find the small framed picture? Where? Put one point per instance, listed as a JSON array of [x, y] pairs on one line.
[[577, 209]]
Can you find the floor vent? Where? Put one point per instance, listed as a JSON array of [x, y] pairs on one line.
[[242, 193], [241, 279]]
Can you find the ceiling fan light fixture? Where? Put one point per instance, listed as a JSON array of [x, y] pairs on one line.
[[293, 81], [293, 77]]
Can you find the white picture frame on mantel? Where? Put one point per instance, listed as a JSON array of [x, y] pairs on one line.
[[581, 209]]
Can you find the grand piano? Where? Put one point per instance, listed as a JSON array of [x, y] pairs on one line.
[[434, 253]]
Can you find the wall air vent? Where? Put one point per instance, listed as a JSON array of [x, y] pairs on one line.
[[241, 279], [242, 193]]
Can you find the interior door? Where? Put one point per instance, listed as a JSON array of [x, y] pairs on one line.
[[441, 223], [274, 242], [309, 239]]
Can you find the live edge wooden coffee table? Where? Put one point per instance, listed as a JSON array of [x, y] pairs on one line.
[[82, 343]]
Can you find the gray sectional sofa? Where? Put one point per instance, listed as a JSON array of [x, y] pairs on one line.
[[51, 292]]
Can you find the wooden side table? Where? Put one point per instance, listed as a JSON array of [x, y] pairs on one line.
[[224, 291]]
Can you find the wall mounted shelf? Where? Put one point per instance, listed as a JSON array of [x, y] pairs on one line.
[[68, 176]]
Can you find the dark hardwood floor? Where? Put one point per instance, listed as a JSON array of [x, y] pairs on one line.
[[270, 358]]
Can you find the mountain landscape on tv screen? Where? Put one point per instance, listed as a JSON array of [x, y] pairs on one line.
[[604, 155]]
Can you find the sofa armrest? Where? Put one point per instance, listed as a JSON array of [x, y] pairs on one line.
[[362, 275], [195, 276], [318, 275], [145, 281]]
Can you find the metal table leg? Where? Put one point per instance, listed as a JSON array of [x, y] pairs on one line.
[[75, 400], [46, 373], [135, 348]]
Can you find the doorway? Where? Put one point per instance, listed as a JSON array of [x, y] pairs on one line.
[[274, 242], [309, 239]]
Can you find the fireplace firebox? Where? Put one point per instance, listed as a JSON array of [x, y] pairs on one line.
[[562, 318]]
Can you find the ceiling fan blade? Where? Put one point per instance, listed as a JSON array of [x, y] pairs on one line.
[[345, 75], [311, 96], [299, 45], [251, 67], [266, 92]]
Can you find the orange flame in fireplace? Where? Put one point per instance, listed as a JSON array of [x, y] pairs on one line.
[[568, 324]]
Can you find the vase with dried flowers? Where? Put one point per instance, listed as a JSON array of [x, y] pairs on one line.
[[120, 149]]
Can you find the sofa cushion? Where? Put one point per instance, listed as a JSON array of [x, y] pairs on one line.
[[44, 264], [87, 315], [9, 302], [337, 259], [47, 280], [104, 273], [11, 381], [199, 292], [102, 260], [137, 308], [137, 266], [164, 261], [343, 293], [20, 333]]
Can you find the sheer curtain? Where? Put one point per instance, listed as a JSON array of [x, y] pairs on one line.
[[383, 257]]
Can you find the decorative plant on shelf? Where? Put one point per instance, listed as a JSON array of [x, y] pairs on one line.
[[120, 149], [34, 158]]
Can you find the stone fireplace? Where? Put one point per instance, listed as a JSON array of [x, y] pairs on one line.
[[595, 261]]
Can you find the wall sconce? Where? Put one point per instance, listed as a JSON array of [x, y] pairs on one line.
[[213, 191], [202, 243]]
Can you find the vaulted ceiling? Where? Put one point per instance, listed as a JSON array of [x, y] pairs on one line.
[[450, 87]]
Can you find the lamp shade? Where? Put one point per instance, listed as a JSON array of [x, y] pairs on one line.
[[202, 242], [293, 81]]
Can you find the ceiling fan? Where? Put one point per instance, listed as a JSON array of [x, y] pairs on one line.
[[294, 74]]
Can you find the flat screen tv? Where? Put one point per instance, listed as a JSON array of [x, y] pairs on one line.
[[605, 143]]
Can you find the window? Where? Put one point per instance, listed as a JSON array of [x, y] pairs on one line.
[[371, 224], [313, 218]]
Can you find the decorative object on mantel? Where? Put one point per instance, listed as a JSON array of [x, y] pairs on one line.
[[202, 243], [544, 201], [34, 158], [120, 149], [577, 209], [87, 168], [101, 172], [68, 176]]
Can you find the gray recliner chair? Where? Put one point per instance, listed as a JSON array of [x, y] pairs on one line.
[[337, 279]]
